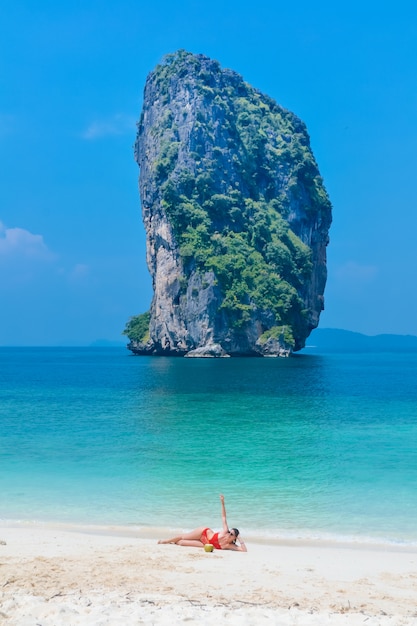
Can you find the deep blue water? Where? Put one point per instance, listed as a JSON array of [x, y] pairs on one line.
[[318, 445]]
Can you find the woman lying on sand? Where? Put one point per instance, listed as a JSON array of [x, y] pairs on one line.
[[199, 537]]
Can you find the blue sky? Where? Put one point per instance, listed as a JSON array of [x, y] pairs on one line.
[[72, 244]]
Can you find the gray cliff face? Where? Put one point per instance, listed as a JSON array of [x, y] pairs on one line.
[[219, 160]]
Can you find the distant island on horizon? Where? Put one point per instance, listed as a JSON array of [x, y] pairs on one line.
[[336, 339]]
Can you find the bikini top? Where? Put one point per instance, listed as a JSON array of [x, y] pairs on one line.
[[215, 541]]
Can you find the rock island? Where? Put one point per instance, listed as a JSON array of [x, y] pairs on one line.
[[236, 215]]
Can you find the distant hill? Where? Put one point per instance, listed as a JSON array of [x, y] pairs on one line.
[[335, 340]]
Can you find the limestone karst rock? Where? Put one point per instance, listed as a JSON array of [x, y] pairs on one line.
[[236, 216]]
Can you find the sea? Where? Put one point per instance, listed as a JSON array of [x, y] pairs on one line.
[[318, 446]]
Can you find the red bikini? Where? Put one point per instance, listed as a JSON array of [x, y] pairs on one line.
[[214, 540]]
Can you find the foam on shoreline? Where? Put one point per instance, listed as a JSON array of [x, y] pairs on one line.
[[266, 537]]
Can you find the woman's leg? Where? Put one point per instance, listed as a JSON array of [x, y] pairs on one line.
[[193, 535]]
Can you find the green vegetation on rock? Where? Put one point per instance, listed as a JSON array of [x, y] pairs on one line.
[[137, 328], [281, 333]]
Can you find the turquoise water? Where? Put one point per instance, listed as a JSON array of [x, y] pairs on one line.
[[318, 445]]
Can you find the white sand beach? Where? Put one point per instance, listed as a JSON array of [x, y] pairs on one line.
[[53, 576]]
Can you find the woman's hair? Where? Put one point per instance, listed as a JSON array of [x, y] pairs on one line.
[[236, 532]]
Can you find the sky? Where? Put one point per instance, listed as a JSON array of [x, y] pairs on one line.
[[72, 73]]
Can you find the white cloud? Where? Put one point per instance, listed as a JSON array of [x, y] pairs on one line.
[[21, 243], [354, 272], [117, 124]]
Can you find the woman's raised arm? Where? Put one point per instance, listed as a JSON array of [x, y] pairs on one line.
[[224, 519]]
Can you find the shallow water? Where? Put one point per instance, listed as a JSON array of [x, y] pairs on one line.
[[318, 445]]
